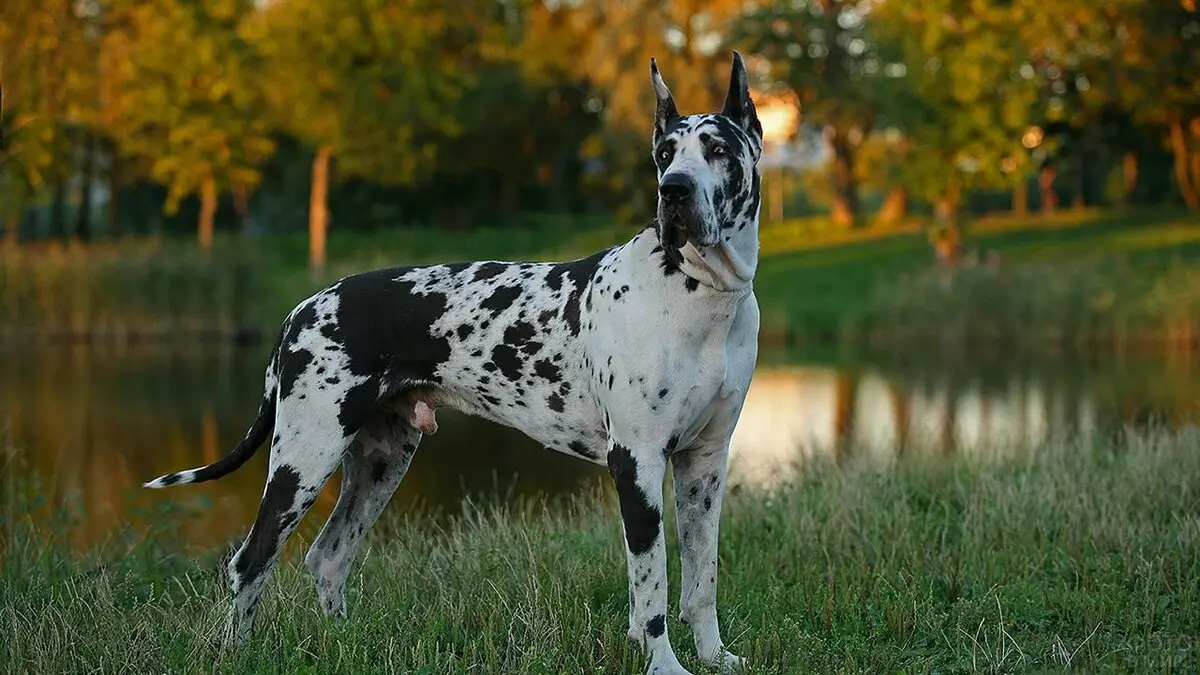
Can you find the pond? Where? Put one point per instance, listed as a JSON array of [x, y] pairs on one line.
[[90, 425]]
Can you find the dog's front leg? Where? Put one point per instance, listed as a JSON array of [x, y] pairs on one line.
[[638, 473], [699, 489]]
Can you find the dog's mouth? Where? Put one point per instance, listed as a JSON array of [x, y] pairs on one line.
[[681, 226]]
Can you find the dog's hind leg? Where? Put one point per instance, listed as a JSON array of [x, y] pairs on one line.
[[306, 450], [372, 469]]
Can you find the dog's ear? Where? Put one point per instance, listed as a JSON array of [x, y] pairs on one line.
[[738, 105], [665, 112]]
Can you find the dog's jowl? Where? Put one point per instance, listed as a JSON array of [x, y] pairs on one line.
[[637, 356]]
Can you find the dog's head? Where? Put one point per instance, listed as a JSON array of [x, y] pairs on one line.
[[707, 165]]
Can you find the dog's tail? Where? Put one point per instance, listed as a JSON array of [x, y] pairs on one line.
[[245, 449]]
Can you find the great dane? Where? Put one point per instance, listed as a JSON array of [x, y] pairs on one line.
[[634, 356]]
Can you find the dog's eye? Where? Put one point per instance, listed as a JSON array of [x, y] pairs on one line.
[[664, 154], [719, 150]]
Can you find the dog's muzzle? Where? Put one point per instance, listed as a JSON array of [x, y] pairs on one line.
[[678, 213]]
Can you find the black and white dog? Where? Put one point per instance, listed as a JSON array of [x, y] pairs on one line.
[[634, 356]]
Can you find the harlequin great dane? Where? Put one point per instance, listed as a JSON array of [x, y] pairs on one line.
[[634, 356]]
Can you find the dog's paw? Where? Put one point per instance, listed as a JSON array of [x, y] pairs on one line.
[[729, 663]]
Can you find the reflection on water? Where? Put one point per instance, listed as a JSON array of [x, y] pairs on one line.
[[94, 424]]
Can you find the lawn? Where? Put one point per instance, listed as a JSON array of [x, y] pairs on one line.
[[1065, 557]]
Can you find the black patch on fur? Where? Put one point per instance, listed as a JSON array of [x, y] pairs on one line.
[[464, 331], [580, 448], [519, 333], [656, 626], [487, 271], [501, 299], [505, 357], [547, 371], [275, 516], [378, 469], [358, 404], [641, 518], [691, 284], [662, 393], [555, 402]]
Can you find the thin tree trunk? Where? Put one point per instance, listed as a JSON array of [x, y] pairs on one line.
[[12, 231], [845, 187], [1182, 175], [1046, 188], [112, 224], [58, 211], [241, 206], [895, 207], [208, 211], [1130, 169], [1020, 197], [1079, 200], [318, 214], [83, 217]]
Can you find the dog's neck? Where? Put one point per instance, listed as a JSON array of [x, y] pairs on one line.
[[727, 266]]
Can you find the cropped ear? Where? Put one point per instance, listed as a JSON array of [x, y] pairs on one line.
[[738, 105], [665, 112]]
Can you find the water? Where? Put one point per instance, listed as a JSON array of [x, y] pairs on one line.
[[93, 424]]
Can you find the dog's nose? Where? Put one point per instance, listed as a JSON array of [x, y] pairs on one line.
[[676, 188]]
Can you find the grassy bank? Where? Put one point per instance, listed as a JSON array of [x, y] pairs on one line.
[[1060, 558], [1093, 278]]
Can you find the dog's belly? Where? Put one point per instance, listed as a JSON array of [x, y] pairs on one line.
[[573, 431]]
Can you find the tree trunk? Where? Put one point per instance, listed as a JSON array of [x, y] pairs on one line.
[[112, 221], [241, 206], [1079, 200], [845, 187], [1020, 197], [83, 217], [208, 212], [1182, 173], [895, 207], [1130, 169], [1046, 189], [12, 231], [318, 215], [58, 211]]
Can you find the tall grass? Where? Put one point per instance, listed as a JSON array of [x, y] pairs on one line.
[[1093, 303], [1064, 557], [129, 289]]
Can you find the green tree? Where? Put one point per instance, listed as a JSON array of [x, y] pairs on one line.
[[370, 82], [45, 90], [830, 53], [967, 99], [1158, 59], [187, 98], [609, 46]]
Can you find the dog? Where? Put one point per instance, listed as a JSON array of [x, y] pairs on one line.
[[634, 356]]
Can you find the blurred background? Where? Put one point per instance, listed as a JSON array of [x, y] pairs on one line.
[[980, 227]]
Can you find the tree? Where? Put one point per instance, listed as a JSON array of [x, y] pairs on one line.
[[370, 82], [1158, 60], [187, 98], [608, 46], [44, 91], [967, 98], [830, 53]]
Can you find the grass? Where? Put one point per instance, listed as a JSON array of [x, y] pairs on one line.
[[1059, 558]]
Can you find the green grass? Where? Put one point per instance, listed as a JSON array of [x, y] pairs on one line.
[[1059, 558], [841, 290]]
